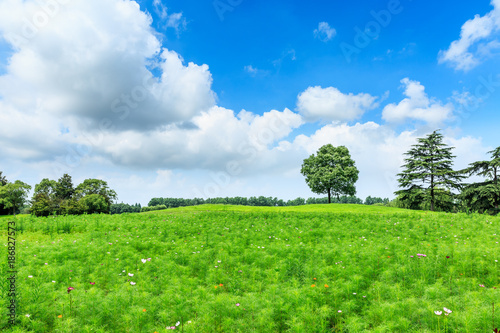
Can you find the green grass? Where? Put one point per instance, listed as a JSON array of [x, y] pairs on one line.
[[290, 269]]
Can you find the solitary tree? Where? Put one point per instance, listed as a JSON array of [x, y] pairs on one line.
[[331, 171], [485, 195], [429, 163], [14, 195]]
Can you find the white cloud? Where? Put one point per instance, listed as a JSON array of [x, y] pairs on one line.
[[175, 20], [417, 106], [324, 32], [330, 104], [86, 69], [479, 33], [218, 137], [254, 71]]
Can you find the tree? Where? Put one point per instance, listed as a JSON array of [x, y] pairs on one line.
[[14, 195], [46, 186], [429, 162], [483, 196], [96, 186], [64, 189], [331, 171], [41, 204], [3, 180]]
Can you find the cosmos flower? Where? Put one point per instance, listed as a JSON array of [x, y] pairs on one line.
[[438, 312]]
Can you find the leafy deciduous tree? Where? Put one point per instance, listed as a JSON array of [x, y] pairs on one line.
[[331, 171], [96, 186], [14, 195]]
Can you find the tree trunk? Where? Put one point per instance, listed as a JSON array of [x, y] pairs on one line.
[[495, 181], [329, 196], [432, 192]]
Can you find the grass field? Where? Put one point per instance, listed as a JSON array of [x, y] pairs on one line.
[[211, 268]]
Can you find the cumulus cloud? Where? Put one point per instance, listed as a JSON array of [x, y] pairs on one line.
[[83, 70], [330, 104], [478, 37], [417, 106], [324, 32], [220, 136]]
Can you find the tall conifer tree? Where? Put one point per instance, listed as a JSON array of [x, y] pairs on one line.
[[428, 170]]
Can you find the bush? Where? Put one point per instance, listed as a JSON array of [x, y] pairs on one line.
[[151, 208]]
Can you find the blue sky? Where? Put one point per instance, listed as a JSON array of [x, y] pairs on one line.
[[208, 80]]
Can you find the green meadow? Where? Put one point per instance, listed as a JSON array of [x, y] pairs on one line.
[[216, 268]]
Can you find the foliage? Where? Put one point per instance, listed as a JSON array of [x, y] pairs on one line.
[[14, 195], [216, 268], [60, 198], [124, 208], [252, 201], [93, 203], [331, 171], [48, 187], [429, 162], [152, 208], [96, 186], [42, 204], [64, 187], [483, 196], [375, 200], [73, 207], [3, 180]]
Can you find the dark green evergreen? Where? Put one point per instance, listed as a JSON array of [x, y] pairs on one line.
[[483, 196], [427, 175]]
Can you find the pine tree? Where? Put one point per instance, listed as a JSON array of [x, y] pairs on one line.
[[429, 163], [485, 195]]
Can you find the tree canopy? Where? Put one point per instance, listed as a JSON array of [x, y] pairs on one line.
[[428, 175], [483, 196], [14, 195], [331, 171]]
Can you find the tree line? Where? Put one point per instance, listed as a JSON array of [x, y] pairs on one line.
[[59, 197], [164, 203]]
